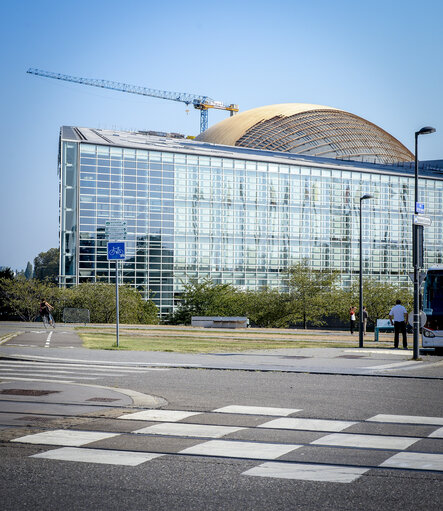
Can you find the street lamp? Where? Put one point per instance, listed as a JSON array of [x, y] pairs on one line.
[[360, 319], [415, 244]]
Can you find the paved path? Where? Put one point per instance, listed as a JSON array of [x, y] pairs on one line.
[[226, 440], [278, 443], [353, 361]]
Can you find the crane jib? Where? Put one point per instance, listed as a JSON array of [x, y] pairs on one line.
[[202, 103]]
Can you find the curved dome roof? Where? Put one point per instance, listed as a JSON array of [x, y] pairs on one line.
[[314, 130]]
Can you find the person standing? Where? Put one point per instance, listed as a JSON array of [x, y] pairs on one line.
[[365, 320], [352, 319], [399, 316]]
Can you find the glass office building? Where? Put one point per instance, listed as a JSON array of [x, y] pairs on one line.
[[235, 215]]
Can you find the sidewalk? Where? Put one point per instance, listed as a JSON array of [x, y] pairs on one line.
[[344, 361], [350, 360]]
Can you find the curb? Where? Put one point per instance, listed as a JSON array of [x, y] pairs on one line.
[[138, 398]]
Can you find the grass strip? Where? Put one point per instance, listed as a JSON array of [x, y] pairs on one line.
[[107, 341]]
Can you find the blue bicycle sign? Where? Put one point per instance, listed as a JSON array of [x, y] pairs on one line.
[[116, 250]]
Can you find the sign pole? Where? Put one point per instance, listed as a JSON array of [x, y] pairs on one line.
[[116, 301], [116, 252]]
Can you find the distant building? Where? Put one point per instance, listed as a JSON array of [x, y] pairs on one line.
[[235, 214]]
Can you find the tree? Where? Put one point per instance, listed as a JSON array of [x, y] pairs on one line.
[[28, 272], [267, 307], [46, 265], [99, 299], [310, 291], [206, 299], [378, 297], [23, 296], [6, 273]]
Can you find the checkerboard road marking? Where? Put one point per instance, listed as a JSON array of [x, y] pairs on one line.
[[104, 457], [66, 437], [415, 460], [366, 441], [159, 415], [307, 472], [256, 410], [307, 424], [189, 430], [237, 449], [407, 419]]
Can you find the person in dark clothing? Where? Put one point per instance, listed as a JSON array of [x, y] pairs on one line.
[[45, 312], [399, 316]]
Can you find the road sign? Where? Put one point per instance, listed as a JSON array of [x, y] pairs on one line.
[[422, 319], [115, 230], [419, 207], [115, 223], [421, 277], [116, 251], [422, 220]]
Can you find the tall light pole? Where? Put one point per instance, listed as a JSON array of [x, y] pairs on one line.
[[360, 317], [416, 259]]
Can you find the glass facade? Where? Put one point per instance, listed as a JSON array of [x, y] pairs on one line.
[[240, 219]]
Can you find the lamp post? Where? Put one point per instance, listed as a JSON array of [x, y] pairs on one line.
[[360, 317], [415, 245]]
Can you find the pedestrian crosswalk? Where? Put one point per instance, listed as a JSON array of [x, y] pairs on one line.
[[66, 372], [211, 434]]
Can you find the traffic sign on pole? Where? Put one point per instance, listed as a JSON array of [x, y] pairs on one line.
[[116, 230], [422, 220], [419, 207], [116, 251]]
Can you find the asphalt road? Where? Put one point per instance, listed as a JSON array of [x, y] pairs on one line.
[[312, 441]]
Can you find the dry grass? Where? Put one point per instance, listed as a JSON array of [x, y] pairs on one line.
[[188, 340]]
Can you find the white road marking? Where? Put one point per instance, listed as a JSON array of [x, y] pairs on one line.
[[101, 367], [307, 424], [37, 370], [14, 378], [128, 458], [232, 449], [189, 430], [407, 419], [395, 365], [128, 364], [307, 472], [438, 433], [257, 410], [48, 340], [366, 441], [415, 460], [159, 415], [48, 375], [66, 437]]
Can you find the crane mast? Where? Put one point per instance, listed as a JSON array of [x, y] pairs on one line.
[[202, 103]]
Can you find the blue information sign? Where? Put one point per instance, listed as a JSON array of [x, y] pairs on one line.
[[116, 250], [419, 207]]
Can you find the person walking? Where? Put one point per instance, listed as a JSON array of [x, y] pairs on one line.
[[352, 319], [365, 320], [399, 316]]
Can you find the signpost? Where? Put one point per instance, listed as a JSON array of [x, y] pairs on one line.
[[115, 231], [419, 207], [422, 220]]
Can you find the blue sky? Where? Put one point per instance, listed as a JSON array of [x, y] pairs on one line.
[[381, 60]]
